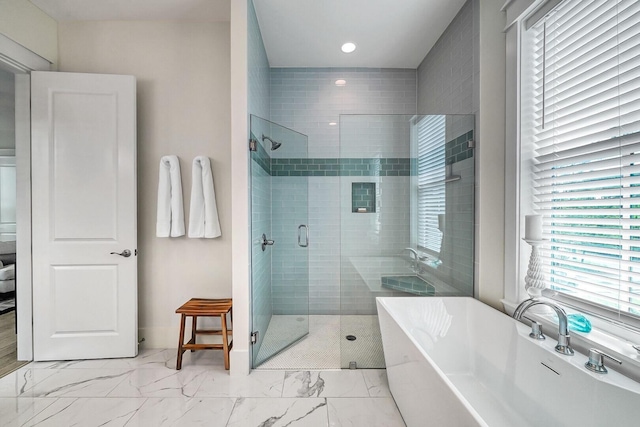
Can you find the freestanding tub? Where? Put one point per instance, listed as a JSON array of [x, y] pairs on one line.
[[458, 362]]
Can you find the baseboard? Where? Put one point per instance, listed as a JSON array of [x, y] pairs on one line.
[[240, 363], [158, 337]]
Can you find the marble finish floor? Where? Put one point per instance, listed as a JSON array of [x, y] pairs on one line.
[[148, 391]]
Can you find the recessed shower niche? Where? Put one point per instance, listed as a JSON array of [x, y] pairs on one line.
[[363, 197]]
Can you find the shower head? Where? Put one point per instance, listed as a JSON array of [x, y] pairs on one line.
[[274, 145]]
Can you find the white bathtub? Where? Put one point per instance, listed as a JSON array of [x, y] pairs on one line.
[[458, 362]]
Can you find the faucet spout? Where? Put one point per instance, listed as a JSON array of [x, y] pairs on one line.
[[416, 259], [564, 346]]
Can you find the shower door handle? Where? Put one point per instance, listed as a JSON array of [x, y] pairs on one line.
[[306, 236], [266, 242]]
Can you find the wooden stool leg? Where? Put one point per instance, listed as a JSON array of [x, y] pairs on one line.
[[225, 344], [180, 343], [194, 326]]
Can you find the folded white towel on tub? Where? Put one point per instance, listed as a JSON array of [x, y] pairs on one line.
[[170, 218], [203, 213]]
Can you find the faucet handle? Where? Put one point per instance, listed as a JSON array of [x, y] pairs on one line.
[[636, 348], [596, 361], [536, 329]]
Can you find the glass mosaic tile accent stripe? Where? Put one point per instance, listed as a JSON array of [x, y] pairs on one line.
[[363, 197], [341, 167], [410, 284], [261, 157], [457, 149]]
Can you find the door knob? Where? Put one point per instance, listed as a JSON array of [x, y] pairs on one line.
[[126, 253]]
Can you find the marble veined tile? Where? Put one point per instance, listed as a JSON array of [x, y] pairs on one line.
[[376, 380], [258, 384], [181, 411], [271, 412], [69, 364], [87, 412], [16, 412], [344, 383], [159, 383], [77, 383], [16, 383], [152, 358], [198, 360], [370, 412]]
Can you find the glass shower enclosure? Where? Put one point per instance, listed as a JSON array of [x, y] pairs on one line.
[[279, 238], [407, 219]]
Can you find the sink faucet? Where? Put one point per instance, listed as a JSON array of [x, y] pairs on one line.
[[563, 346], [416, 259]]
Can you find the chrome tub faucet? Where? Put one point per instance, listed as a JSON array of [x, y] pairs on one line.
[[416, 259], [564, 346]]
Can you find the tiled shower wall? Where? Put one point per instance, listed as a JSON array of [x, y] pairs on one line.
[[308, 100], [448, 83]]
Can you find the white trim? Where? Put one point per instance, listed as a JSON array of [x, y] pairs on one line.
[[20, 61], [241, 268], [512, 165], [24, 301]]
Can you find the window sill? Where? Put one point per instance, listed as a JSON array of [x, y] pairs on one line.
[[616, 340]]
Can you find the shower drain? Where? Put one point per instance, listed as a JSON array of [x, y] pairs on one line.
[[350, 337]]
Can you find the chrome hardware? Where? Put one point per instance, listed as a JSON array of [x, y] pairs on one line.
[[266, 242], [126, 253], [306, 238], [596, 361], [564, 346], [253, 145], [254, 337], [636, 347], [536, 329], [416, 259]]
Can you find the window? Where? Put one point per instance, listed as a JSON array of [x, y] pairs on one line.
[[581, 139], [431, 185]]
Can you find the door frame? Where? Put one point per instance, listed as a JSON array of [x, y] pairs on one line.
[[21, 61]]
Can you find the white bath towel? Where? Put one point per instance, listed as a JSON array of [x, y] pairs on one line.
[[170, 219], [203, 214]]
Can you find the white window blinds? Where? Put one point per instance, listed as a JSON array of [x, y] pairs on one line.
[[431, 185], [584, 88]]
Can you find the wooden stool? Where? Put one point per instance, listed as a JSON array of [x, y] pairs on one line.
[[198, 307]]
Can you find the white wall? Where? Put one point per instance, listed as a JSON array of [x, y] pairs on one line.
[[490, 128], [27, 25], [183, 78]]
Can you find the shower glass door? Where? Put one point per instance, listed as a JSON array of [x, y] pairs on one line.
[[279, 238]]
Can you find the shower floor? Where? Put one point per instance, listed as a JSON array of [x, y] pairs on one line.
[[326, 346]]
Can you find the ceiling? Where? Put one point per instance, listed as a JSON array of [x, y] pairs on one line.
[[388, 33], [299, 33], [136, 10]]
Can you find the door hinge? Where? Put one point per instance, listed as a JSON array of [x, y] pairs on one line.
[[253, 145], [254, 337]]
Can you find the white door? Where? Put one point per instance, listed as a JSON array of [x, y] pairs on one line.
[[84, 214]]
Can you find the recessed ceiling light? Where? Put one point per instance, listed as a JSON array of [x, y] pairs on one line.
[[332, 123], [341, 82], [348, 47]]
